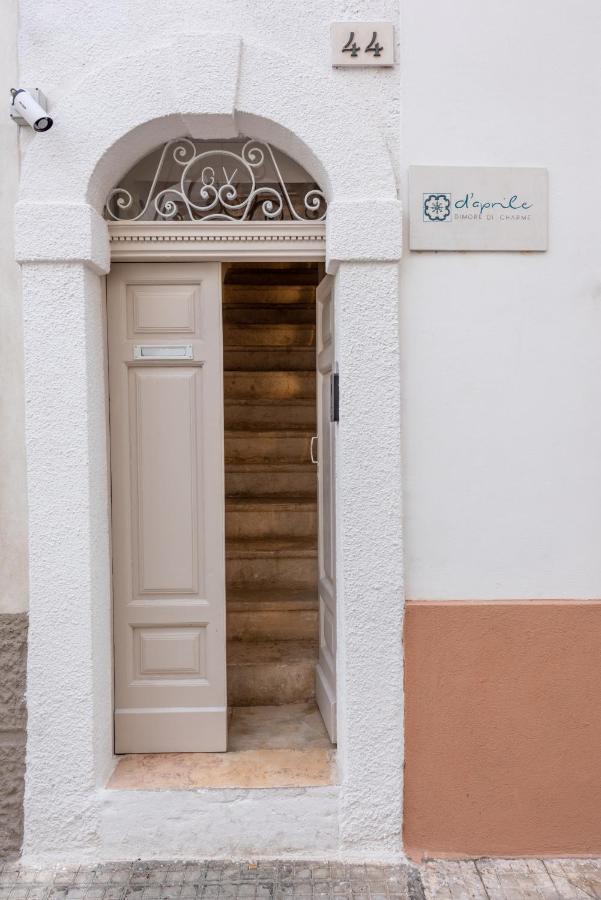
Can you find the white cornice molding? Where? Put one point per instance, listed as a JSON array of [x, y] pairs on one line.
[[216, 241]]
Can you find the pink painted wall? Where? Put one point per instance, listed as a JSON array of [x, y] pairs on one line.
[[503, 728]]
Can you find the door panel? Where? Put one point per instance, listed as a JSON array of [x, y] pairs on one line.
[[326, 667], [166, 418], [164, 407]]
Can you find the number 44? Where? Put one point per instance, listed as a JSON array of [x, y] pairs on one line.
[[373, 47]]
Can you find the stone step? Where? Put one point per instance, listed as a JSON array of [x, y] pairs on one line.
[[267, 446], [273, 273], [278, 625], [243, 599], [269, 385], [243, 413], [270, 673], [266, 294], [282, 615], [269, 335], [253, 314], [262, 517], [262, 479], [268, 548], [271, 564], [265, 359]]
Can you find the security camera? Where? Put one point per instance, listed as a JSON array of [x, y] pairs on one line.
[[30, 108]]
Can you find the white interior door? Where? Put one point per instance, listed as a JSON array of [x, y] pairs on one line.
[[326, 666], [166, 422]]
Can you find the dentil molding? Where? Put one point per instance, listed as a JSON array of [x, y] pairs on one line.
[[265, 241]]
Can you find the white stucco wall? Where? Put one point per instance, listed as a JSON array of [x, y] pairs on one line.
[[58, 43], [501, 412], [214, 84], [501, 353], [13, 508]]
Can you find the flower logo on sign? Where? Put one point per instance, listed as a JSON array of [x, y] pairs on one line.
[[437, 207]]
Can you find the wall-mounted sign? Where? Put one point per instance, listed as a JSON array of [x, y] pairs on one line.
[[465, 208], [362, 44]]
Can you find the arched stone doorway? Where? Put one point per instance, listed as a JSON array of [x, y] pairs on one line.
[[63, 246]]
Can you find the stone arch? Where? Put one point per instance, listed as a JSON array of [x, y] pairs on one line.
[[120, 111]]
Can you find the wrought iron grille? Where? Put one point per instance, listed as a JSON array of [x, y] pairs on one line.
[[227, 181]]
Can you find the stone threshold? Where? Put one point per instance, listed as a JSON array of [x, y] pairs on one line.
[[269, 747]]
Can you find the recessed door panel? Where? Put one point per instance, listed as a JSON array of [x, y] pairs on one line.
[[166, 420], [163, 652], [166, 449], [162, 308]]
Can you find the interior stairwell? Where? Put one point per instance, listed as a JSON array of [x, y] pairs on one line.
[[271, 488]]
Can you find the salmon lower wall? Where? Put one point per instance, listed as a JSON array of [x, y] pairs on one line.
[[503, 728]]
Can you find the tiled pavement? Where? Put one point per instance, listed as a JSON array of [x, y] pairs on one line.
[[513, 879], [482, 879], [211, 881]]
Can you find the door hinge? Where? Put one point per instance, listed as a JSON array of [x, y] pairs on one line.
[[334, 397]]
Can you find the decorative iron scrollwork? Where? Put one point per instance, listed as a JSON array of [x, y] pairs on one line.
[[216, 184]]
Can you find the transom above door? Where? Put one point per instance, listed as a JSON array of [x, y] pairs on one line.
[[216, 181]]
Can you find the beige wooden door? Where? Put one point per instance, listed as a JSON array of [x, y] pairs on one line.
[[166, 423], [325, 683]]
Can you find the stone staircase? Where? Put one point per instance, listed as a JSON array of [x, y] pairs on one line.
[[271, 500]]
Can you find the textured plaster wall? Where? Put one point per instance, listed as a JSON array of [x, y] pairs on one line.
[[503, 729], [13, 507], [59, 43], [13, 655], [500, 352], [226, 824], [369, 545], [69, 747], [502, 444], [252, 80]]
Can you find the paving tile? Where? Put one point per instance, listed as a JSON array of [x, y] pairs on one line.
[[264, 892], [194, 873], [26, 877], [188, 892], [64, 875], [516, 879], [575, 879], [302, 873], [451, 880]]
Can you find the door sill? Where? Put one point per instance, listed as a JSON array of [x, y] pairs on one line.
[[270, 747]]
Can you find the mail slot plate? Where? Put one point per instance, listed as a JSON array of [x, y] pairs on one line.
[[163, 351]]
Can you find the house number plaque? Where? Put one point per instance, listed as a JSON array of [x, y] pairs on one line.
[[358, 44]]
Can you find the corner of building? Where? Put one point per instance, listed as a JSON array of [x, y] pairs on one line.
[[13, 512]]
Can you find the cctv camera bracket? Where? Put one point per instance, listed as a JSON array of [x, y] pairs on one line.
[[38, 97]]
